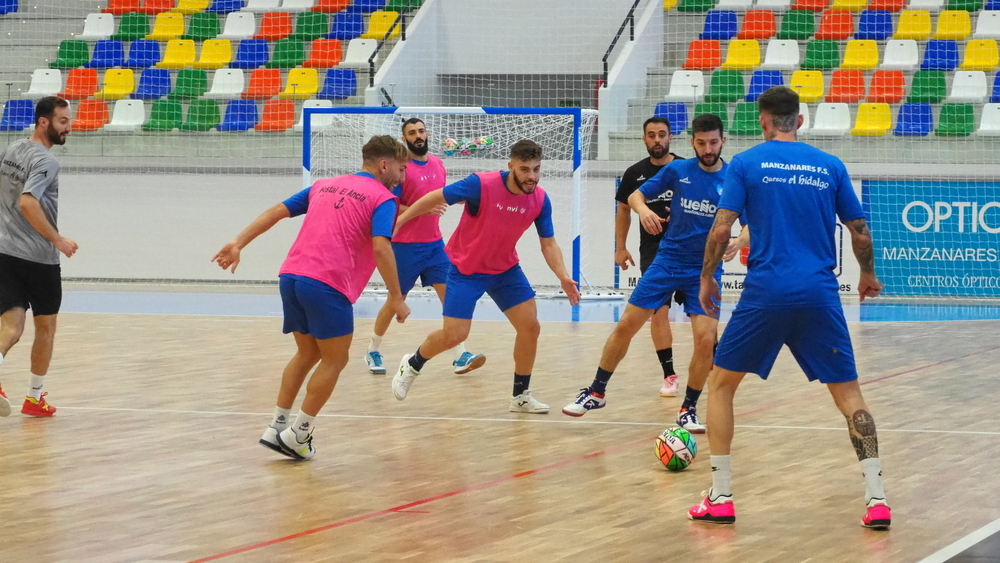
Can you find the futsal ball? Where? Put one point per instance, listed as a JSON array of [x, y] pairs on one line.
[[467, 147], [676, 448], [449, 146], [484, 144]]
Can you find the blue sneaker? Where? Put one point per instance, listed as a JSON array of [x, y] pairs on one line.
[[374, 361], [469, 362], [585, 401]]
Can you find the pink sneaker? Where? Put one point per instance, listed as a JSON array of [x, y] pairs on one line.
[[721, 511], [878, 515], [669, 388]]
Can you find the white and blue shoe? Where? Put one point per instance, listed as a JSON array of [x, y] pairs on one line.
[[374, 361], [585, 401], [468, 362], [688, 420]]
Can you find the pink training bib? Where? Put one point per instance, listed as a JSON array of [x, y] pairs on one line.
[[421, 179]]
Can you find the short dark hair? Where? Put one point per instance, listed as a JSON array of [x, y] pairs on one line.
[[526, 150], [707, 122], [384, 146], [782, 104], [656, 119], [46, 107], [411, 121]]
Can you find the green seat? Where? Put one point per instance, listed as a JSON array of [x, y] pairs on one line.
[[746, 119], [402, 5], [165, 116], [726, 86], [717, 108], [133, 27], [957, 120], [191, 83], [204, 25], [288, 53], [821, 54], [797, 25], [203, 115], [695, 5], [310, 25], [72, 53], [967, 5], [928, 87]]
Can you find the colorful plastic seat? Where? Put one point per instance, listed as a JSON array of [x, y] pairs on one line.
[[156, 7], [675, 113], [797, 25], [956, 120], [179, 54], [914, 120], [121, 7], [166, 115], [154, 83], [278, 116], [167, 26], [302, 84], [310, 25], [203, 115], [18, 115], [288, 53], [265, 83], [726, 86], [191, 7], [132, 26], [128, 115], [743, 54], [379, 24], [91, 115], [118, 83], [860, 54], [191, 83], [821, 54], [339, 84], [703, 54], [331, 6], [746, 120], [874, 25], [846, 86], [369, 6], [695, 5], [97, 27], [874, 120], [251, 53], [715, 108], [719, 24], [44, 82], [347, 26], [808, 84], [241, 115], [928, 86], [81, 83], [274, 26], [758, 24], [72, 53], [887, 86], [143, 53], [203, 26], [913, 24], [940, 54], [108, 53], [225, 6], [215, 53], [981, 54], [837, 25], [761, 81], [325, 53], [852, 5], [953, 24]]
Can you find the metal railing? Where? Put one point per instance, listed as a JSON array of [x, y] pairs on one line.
[[630, 22], [400, 21]]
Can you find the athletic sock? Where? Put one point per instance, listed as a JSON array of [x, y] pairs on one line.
[[281, 418], [871, 468], [303, 426], [600, 384], [666, 357], [375, 342], [720, 477], [690, 398], [417, 361], [459, 350], [1, 359], [521, 383], [36, 386]]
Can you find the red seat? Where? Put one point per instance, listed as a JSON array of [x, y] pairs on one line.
[[703, 54], [325, 53], [265, 83], [331, 6], [813, 5], [758, 24], [279, 115], [80, 83], [119, 7], [154, 7], [275, 26], [836, 24], [91, 115], [886, 5], [846, 86], [888, 86]]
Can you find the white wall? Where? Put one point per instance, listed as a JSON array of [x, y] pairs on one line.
[[397, 75]]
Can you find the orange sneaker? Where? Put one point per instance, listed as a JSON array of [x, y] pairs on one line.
[[4, 404], [38, 407]]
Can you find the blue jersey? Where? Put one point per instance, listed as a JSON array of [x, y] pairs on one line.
[[791, 195], [692, 210]]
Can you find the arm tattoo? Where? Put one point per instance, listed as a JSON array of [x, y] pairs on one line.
[[861, 241], [714, 250], [861, 427]]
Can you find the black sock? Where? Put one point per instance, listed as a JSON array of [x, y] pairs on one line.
[[521, 383], [666, 357], [691, 398], [417, 361], [600, 383]]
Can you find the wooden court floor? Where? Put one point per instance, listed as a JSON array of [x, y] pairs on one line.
[[153, 455]]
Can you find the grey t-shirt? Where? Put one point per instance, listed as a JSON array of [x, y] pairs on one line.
[[27, 167]]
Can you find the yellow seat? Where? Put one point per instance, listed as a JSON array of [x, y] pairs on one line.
[[179, 54], [118, 84], [852, 5], [860, 54], [379, 23], [215, 53], [742, 55], [953, 24], [913, 24], [981, 54], [191, 6], [874, 120], [167, 26], [808, 84], [669, 5], [302, 84]]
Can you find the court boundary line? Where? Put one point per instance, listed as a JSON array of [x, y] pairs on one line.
[[962, 544]]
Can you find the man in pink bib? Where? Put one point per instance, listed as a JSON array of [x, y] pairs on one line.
[[499, 208], [344, 237]]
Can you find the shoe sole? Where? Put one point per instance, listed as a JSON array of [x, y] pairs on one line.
[[529, 412], [4, 407], [476, 364], [288, 451], [573, 414], [713, 519], [662, 394], [376, 371], [274, 447], [877, 524], [697, 431], [36, 415]]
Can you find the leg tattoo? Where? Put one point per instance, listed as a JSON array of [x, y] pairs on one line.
[[861, 427]]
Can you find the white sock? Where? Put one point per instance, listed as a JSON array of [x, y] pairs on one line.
[[375, 342], [720, 477], [871, 468], [459, 350], [303, 426], [36, 386], [1, 359], [281, 418]]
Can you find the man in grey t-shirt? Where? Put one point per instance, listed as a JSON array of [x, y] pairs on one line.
[[30, 244]]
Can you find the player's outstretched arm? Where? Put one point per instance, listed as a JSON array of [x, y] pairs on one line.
[[737, 244], [422, 206], [650, 221], [554, 258], [623, 222], [715, 248], [229, 256], [32, 211], [385, 261], [864, 251]]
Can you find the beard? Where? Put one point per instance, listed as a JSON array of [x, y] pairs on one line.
[[709, 160], [418, 150], [520, 185], [55, 137], [661, 152]]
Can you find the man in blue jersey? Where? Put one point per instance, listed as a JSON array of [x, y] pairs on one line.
[[790, 195], [696, 184]]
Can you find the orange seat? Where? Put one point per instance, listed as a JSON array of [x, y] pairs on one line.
[[91, 115], [279, 115], [886, 5], [154, 7], [836, 24], [847, 87], [758, 24], [80, 83], [120, 7], [813, 5], [888, 87], [265, 83], [274, 26], [325, 53], [331, 6], [703, 54]]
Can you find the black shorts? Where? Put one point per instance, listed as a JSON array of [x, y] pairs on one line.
[[30, 285], [646, 255]]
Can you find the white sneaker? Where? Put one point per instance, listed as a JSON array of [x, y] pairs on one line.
[[669, 388], [292, 447], [468, 362], [270, 440], [404, 378], [526, 403], [374, 361], [688, 420]]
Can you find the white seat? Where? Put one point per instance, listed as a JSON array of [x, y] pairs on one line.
[[781, 54], [804, 112], [98, 26], [832, 120], [318, 121], [128, 115], [296, 5], [686, 86], [929, 5], [900, 54], [239, 25], [227, 83], [262, 5], [968, 86], [989, 125], [358, 52], [988, 25], [44, 82], [735, 5], [773, 5]]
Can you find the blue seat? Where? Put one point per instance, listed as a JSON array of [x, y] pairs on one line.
[[940, 54], [676, 113], [154, 83], [143, 53], [995, 96], [347, 26], [17, 115], [241, 115], [875, 25], [225, 6], [992, 5], [8, 6], [108, 53], [761, 80], [340, 84], [719, 25], [914, 120], [366, 6], [252, 53]]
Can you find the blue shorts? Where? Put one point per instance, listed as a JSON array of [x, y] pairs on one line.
[[661, 280], [817, 337], [507, 289], [314, 308], [424, 260]]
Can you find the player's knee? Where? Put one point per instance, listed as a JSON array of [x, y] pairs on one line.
[[455, 336], [530, 329]]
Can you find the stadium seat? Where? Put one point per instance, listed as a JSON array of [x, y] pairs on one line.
[[887, 5], [900, 54], [310, 25], [836, 24], [346, 26], [154, 83], [179, 54], [203, 26], [929, 5], [860, 54], [156, 7], [132, 27], [97, 26], [167, 26], [981, 54], [319, 122], [686, 86], [956, 120], [874, 120], [913, 24], [81, 83], [227, 83], [888, 86], [988, 25], [262, 5], [852, 5], [225, 6], [118, 83], [202, 115], [715, 108], [928, 86], [992, 5], [742, 55], [690, 5], [274, 26], [72, 53], [773, 5], [758, 24], [339, 84], [8, 7], [989, 124], [128, 115], [279, 115], [369, 6], [143, 53], [18, 115], [190, 7], [675, 113], [410, 5], [239, 25], [953, 24], [719, 24], [812, 5], [821, 54], [108, 53], [808, 84], [121, 7], [265, 83], [940, 54], [379, 24], [251, 53], [781, 55], [325, 53], [91, 115], [761, 80], [874, 25], [358, 52], [995, 95], [832, 120], [297, 6], [797, 25], [846, 87], [164, 116], [241, 115], [746, 120], [44, 82], [331, 6], [191, 83], [703, 54], [302, 84], [669, 5], [968, 86], [288, 53], [215, 53], [914, 120], [726, 86], [966, 5]]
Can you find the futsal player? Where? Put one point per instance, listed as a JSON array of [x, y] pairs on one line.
[[345, 235], [30, 244], [499, 208], [418, 246], [791, 195]]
